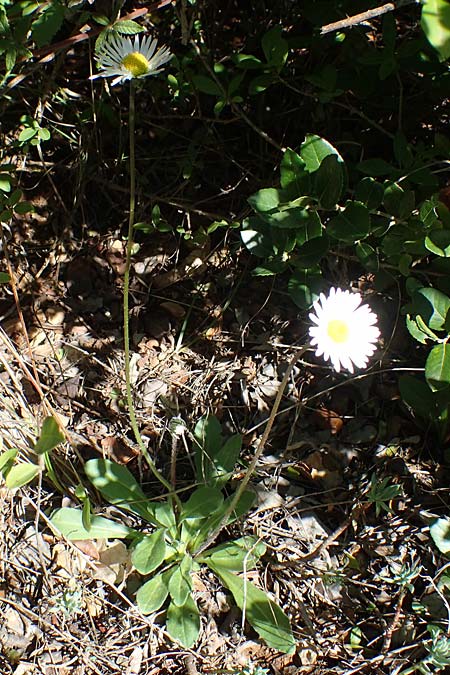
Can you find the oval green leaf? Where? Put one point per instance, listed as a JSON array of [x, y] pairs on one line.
[[21, 474], [70, 523], [437, 367], [183, 622], [152, 595], [352, 224], [149, 552]]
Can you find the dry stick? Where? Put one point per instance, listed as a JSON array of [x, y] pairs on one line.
[[351, 21], [262, 444]]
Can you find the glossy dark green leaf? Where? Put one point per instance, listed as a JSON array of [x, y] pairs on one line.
[[314, 150], [438, 242], [328, 181], [367, 256], [294, 178], [352, 224], [432, 305], [256, 237], [265, 200], [369, 192], [304, 287], [417, 395]]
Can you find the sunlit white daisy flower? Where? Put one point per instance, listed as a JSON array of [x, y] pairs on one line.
[[345, 332], [125, 59]]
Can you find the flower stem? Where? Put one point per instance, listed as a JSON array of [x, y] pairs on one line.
[[126, 298]]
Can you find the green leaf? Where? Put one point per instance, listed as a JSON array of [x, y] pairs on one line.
[[437, 367], [398, 202], [367, 256], [369, 192], [329, 181], [152, 595], [375, 167], [419, 329], [180, 583], [24, 207], [264, 615], [183, 623], [440, 534], [117, 484], [202, 503], [149, 552], [207, 85], [304, 287], [70, 523], [21, 474], [256, 237], [275, 47], [260, 83], [48, 23], [314, 150], [294, 178], [128, 27], [418, 396], [402, 150], [311, 252], [438, 242], [432, 305], [50, 436], [265, 200], [5, 182], [26, 134], [4, 278], [236, 556], [7, 459], [350, 225], [435, 23]]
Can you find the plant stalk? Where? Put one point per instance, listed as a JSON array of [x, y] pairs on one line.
[[126, 299]]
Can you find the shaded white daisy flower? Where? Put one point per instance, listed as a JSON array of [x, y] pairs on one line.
[[345, 332], [124, 59]]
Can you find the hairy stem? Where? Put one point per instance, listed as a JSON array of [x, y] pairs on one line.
[[126, 299]]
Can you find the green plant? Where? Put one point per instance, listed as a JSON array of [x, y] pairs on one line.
[[438, 657], [17, 474], [381, 492], [172, 553]]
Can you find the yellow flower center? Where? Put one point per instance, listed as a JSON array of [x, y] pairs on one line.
[[338, 330], [136, 64]]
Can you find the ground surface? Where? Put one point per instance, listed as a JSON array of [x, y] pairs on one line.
[[207, 337]]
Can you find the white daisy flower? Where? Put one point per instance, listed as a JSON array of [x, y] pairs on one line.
[[124, 59], [345, 332]]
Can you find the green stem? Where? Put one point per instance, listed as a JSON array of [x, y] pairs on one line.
[[262, 444], [126, 298]]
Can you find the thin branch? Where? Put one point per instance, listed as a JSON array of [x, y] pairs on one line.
[[356, 19]]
